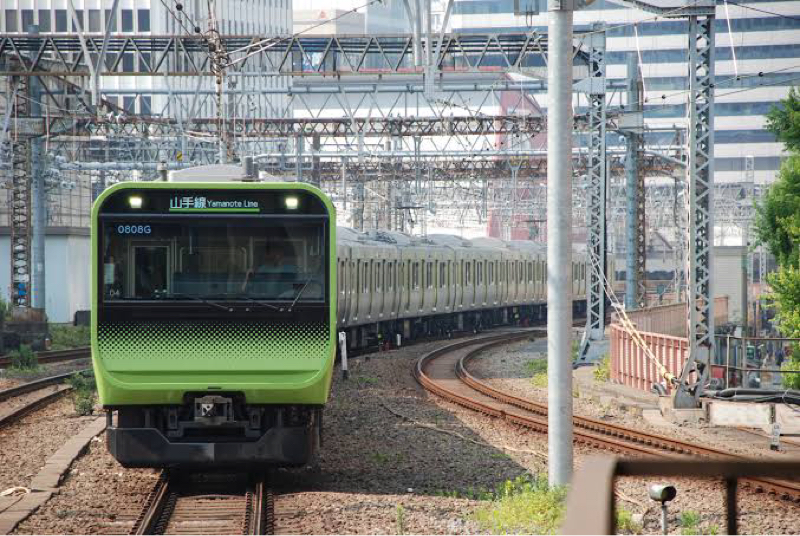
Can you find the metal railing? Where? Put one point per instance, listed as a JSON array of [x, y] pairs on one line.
[[590, 503], [753, 362], [672, 319]]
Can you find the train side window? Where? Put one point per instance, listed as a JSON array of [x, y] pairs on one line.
[[429, 274], [442, 272], [378, 272], [415, 275], [358, 275]]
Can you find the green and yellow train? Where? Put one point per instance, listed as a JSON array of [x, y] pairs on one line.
[[216, 307]]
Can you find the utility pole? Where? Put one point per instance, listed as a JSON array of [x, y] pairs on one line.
[[559, 242], [634, 190]]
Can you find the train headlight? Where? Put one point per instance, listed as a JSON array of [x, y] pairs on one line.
[[292, 202], [135, 201]]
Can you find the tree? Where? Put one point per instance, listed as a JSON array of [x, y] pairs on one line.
[[785, 285], [784, 120], [777, 222]]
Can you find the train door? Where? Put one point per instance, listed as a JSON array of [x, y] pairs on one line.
[[341, 278]]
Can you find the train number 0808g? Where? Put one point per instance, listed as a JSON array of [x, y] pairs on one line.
[[134, 229]]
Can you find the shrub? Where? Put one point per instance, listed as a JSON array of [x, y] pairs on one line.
[[66, 337], [689, 522], [24, 359], [400, 519], [525, 505], [792, 381], [84, 390], [602, 370]]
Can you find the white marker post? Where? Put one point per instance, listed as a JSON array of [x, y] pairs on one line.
[[343, 353]]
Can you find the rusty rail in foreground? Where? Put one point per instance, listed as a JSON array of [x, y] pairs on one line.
[[590, 503]]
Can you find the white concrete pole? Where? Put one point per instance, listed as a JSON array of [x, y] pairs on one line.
[[559, 244]]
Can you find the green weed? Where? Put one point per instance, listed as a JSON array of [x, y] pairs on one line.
[[400, 519], [538, 371], [523, 505], [66, 337], [84, 389], [379, 457], [689, 522], [24, 359], [626, 524], [602, 370]]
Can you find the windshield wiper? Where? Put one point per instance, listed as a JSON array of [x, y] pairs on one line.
[[204, 301], [300, 292], [262, 303]]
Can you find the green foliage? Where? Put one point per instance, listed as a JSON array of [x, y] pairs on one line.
[[602, 370], [784, 120], [538, 370], [84, 389], [576, 346], [525, 505], [785, 285], [777, 221], [626, 524], [5, 310], [400, 519], [24, 359], [689, 522], [792, 381], [66, 337]]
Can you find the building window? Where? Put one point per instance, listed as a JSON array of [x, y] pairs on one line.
[[128, 104], [61, 20], [144, 19], [146, 106], [11, 20], [127, 20], [27, 19], [44, 20], [94, 21], [127, 64]]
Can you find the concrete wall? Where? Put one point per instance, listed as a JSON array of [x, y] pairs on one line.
[[68, 258], [730, 278]]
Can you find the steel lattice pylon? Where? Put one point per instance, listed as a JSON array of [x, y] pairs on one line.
[[596, 199], [701, 225], [20, 201]]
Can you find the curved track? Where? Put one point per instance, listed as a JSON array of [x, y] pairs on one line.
[[42, 392], [208, 504], [444, 372]]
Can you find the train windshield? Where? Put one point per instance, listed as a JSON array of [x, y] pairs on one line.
[[215, 259]]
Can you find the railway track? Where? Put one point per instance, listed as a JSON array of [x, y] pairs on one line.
[[208, 503], [15, 402], [444, 372], [53, 356]]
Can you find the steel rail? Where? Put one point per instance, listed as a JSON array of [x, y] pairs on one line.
[[163, 506], [587, 431], [17, 413]]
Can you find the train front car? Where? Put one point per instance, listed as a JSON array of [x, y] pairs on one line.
[[213, 333]]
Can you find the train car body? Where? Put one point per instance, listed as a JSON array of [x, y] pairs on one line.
[[217, 305], [213, 326]]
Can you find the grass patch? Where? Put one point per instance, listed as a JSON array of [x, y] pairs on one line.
[[67, 337], [602, 370], [24, 359], [626, 524], [538, 371], [366, 380], [526, 505], [84, 392], [400, 519]]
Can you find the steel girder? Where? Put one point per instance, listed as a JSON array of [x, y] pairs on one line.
[[701, 226], [596, 201], [337, 55]]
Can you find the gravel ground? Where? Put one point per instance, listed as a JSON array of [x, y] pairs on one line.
[[506, 368], [388, 447], [28, 443]]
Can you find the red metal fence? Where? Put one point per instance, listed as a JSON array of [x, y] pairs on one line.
[[631, 366]]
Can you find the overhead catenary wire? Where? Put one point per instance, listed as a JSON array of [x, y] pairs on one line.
[[730, 38]]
